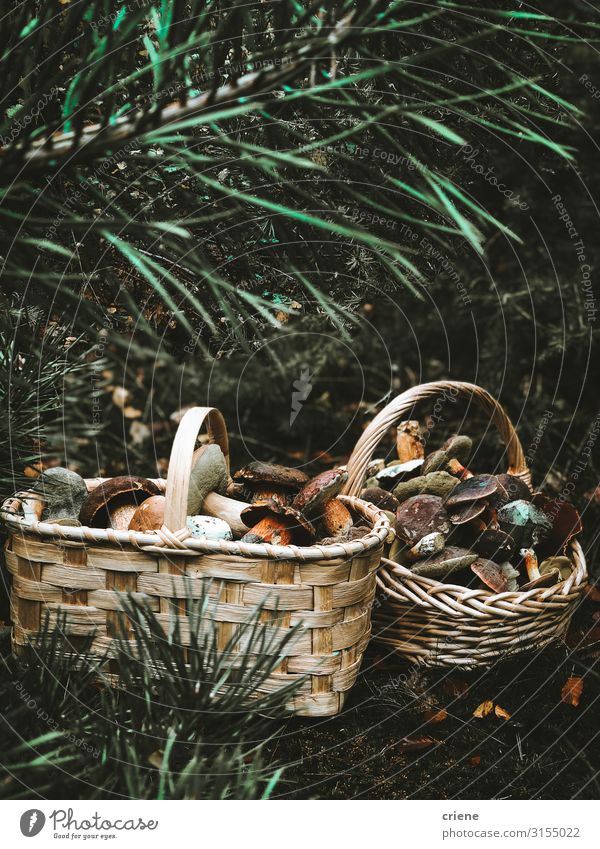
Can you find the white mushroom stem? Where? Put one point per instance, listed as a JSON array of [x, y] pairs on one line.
[[226, 508], [531, 563]]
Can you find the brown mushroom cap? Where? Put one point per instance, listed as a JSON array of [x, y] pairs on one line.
[[149, 516], [421, 515], [472, 489], [494, 544], [126, 489], [491, 574], [256, 474], [303, 530], [320, 489], [380, 498], [509, 488], [460, 514]]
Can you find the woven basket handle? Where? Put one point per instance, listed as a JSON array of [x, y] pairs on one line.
[[396, 410], [180, 463]]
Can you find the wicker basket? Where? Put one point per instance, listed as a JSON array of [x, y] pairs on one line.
[[440, 624], [84, 572]]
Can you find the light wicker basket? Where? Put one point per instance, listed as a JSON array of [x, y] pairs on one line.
[[85, 572], [441, 624]]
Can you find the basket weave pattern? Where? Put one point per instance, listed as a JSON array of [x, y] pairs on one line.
[[83, 573], [440, 624]]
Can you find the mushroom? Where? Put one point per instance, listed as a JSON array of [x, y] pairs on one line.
[[208, 527], [474, 488], [536, 579], [336, 520], [318, 490], [494, 544], [419, 516], [434, 483], [451, 559], [492, 575], [525, 522], [113, 503], [396, 472], [509, 488], [565, 523], [427, 546], [150, 514], [460, 514], [380, 498], [511, 575], [208, 481], [270, 480], [455, 467], [563, 564], [277, 524], [455, 450], [409, 442], [63, 493]]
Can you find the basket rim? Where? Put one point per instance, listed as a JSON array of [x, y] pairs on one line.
[[399, 575], [180, 543]]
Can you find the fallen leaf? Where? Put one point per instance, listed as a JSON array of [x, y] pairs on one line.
[[571, 691], [484, 709], [455, 687], [409, 744], [131, 412], [475, 760], [501, 713], [566, 523], [435, 716]]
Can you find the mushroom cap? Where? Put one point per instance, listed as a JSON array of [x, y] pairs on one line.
[[209, 474], [380, 498], [395, 472], [301, 526], [320, 489], [563, 564], [150, 514], [336, 518], [491, 574], [421, 515], [546, 580], [451, 559], [510, 488], [435, 461], [494, 541], [63, 492], [472, 489], [433, 483], [460, 514], [257, 473], [521, 513], [458, 447], [125, 489]]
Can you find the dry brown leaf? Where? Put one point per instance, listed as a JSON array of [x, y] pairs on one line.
[[435, 716], [409, 744], [572, 690], [484, 709], [131, 412], [501, 713], [475, 760], [593, 593]]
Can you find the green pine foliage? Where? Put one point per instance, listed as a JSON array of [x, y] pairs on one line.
[[181, 724], [191, 161]]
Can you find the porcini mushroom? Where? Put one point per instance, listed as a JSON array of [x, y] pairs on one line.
[[419, 516], [63, 493], [208, 481], [380, 498], [113, 503], [270, 480], [278, 524], [536, 579], [490, 574], [150, 514], [451, 559], [318, 490], [336, 520], [409, 442], [465, 512], [475, 488]]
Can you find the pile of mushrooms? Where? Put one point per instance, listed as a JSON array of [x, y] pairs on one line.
[[481, 530], [262, 503]]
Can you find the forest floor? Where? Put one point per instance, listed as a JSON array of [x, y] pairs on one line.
[[407, 732]]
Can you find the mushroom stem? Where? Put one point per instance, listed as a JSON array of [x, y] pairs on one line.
[[226, 508], [273, 529], [455, 467], [531, 563], [409, 444]]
